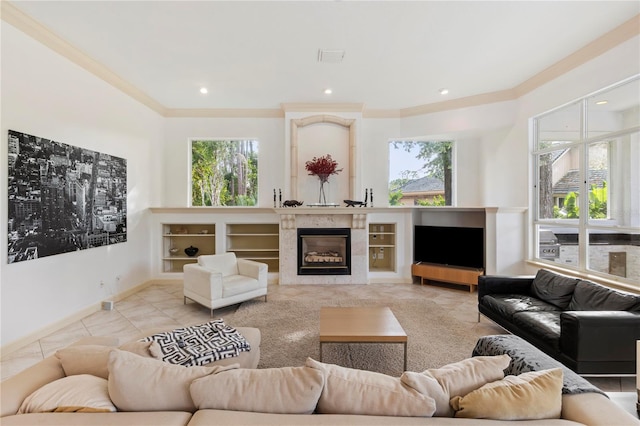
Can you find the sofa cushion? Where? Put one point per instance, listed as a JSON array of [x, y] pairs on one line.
[[589, 296], [351, 391], [508, 304], [78, 393], [94, 359], [529, 396], [458, 378], [553, 288], [146, 384], [286, 390], [544, 325]]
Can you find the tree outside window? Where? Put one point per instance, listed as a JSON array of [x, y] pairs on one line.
[[224, 172], [427, 178]]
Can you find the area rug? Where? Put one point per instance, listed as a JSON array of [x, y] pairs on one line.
[[290, 334]]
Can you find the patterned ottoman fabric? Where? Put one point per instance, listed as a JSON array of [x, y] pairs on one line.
[[200, 344], [526, 357]]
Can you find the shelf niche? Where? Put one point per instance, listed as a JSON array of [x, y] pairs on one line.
[[179, 236]]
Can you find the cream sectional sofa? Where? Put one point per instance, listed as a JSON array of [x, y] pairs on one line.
[[158, 393]]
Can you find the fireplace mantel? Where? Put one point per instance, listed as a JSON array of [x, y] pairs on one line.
[[356, 216]]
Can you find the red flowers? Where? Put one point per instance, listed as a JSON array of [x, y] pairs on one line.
[[322, 167]]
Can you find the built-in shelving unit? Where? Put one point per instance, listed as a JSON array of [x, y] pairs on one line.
[[382, 247], [178, 236], [255, 241]]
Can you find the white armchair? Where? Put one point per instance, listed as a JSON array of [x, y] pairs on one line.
[[220, 280]]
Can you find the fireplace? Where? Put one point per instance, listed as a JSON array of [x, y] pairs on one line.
[[324, 251]]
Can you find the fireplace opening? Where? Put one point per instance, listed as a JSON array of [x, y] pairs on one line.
[[324, 251]]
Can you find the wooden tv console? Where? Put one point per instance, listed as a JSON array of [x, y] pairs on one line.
[[447, 274]]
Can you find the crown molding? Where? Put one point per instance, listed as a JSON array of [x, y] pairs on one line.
[[597, 47], [469, 101], [381, 113], [322, 107], [223, 113], [15, 17]]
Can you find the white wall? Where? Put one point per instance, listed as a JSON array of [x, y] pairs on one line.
[[175, 151], [45, 95]]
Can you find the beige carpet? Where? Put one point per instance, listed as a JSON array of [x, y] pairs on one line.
[[290, 332]]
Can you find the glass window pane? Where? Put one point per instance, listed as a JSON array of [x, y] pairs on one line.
[[559, 127], [224, 173], [558, 245], [420, 173], [614, 110], [598, 178], [559, 184], [615, 253]]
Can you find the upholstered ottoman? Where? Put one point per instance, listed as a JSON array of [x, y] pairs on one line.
[[248, 359], [526, 357]]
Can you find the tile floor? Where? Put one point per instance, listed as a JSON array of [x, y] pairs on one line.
[[161, 305]]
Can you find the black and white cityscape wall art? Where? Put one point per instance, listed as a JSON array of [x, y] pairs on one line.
[[62, 198]]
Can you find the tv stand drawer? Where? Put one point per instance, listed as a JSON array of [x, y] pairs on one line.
[[447, 274]]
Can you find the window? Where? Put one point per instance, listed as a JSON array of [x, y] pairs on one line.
[[420, 173], [224, 172], [587, 200]]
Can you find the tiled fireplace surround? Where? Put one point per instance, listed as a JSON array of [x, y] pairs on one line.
[[324, 218]]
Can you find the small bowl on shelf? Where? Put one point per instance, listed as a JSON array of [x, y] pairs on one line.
[[174, 251]]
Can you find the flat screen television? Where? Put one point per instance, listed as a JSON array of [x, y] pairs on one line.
[[446, 245]]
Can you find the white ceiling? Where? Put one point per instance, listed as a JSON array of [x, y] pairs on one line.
[[261, 54]]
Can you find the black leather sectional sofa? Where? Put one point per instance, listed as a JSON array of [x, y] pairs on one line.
[[590, 328]]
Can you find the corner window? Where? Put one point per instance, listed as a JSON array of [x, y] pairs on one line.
[[224, 172], [420, 173], [587, 183]]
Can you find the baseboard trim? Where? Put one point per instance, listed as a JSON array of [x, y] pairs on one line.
[[77, 316]]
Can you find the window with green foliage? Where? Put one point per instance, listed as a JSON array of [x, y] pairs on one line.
[[224, 172], [587, 198], [420, 173]]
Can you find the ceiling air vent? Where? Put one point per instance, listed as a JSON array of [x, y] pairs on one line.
[[333, 56]]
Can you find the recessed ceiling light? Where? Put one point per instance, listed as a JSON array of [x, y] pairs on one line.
[[443, 91], [204, 90], [602, 102], [328, 91]]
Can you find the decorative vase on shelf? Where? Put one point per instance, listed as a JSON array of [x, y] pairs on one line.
[[322, 197], [322, 167], [191, 251]]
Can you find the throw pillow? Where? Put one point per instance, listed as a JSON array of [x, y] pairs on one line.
[[553, 288], [94, 359], [458, 378], [147, 384], [79, 393], [529, 396], [351, 391], [287, 390], [590, 296]]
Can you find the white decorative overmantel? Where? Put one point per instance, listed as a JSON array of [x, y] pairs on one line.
[[323, 217]]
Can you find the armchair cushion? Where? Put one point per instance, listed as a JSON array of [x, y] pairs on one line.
[[225, 263]]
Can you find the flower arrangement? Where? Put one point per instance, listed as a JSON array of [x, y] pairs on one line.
[[323, 167]]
